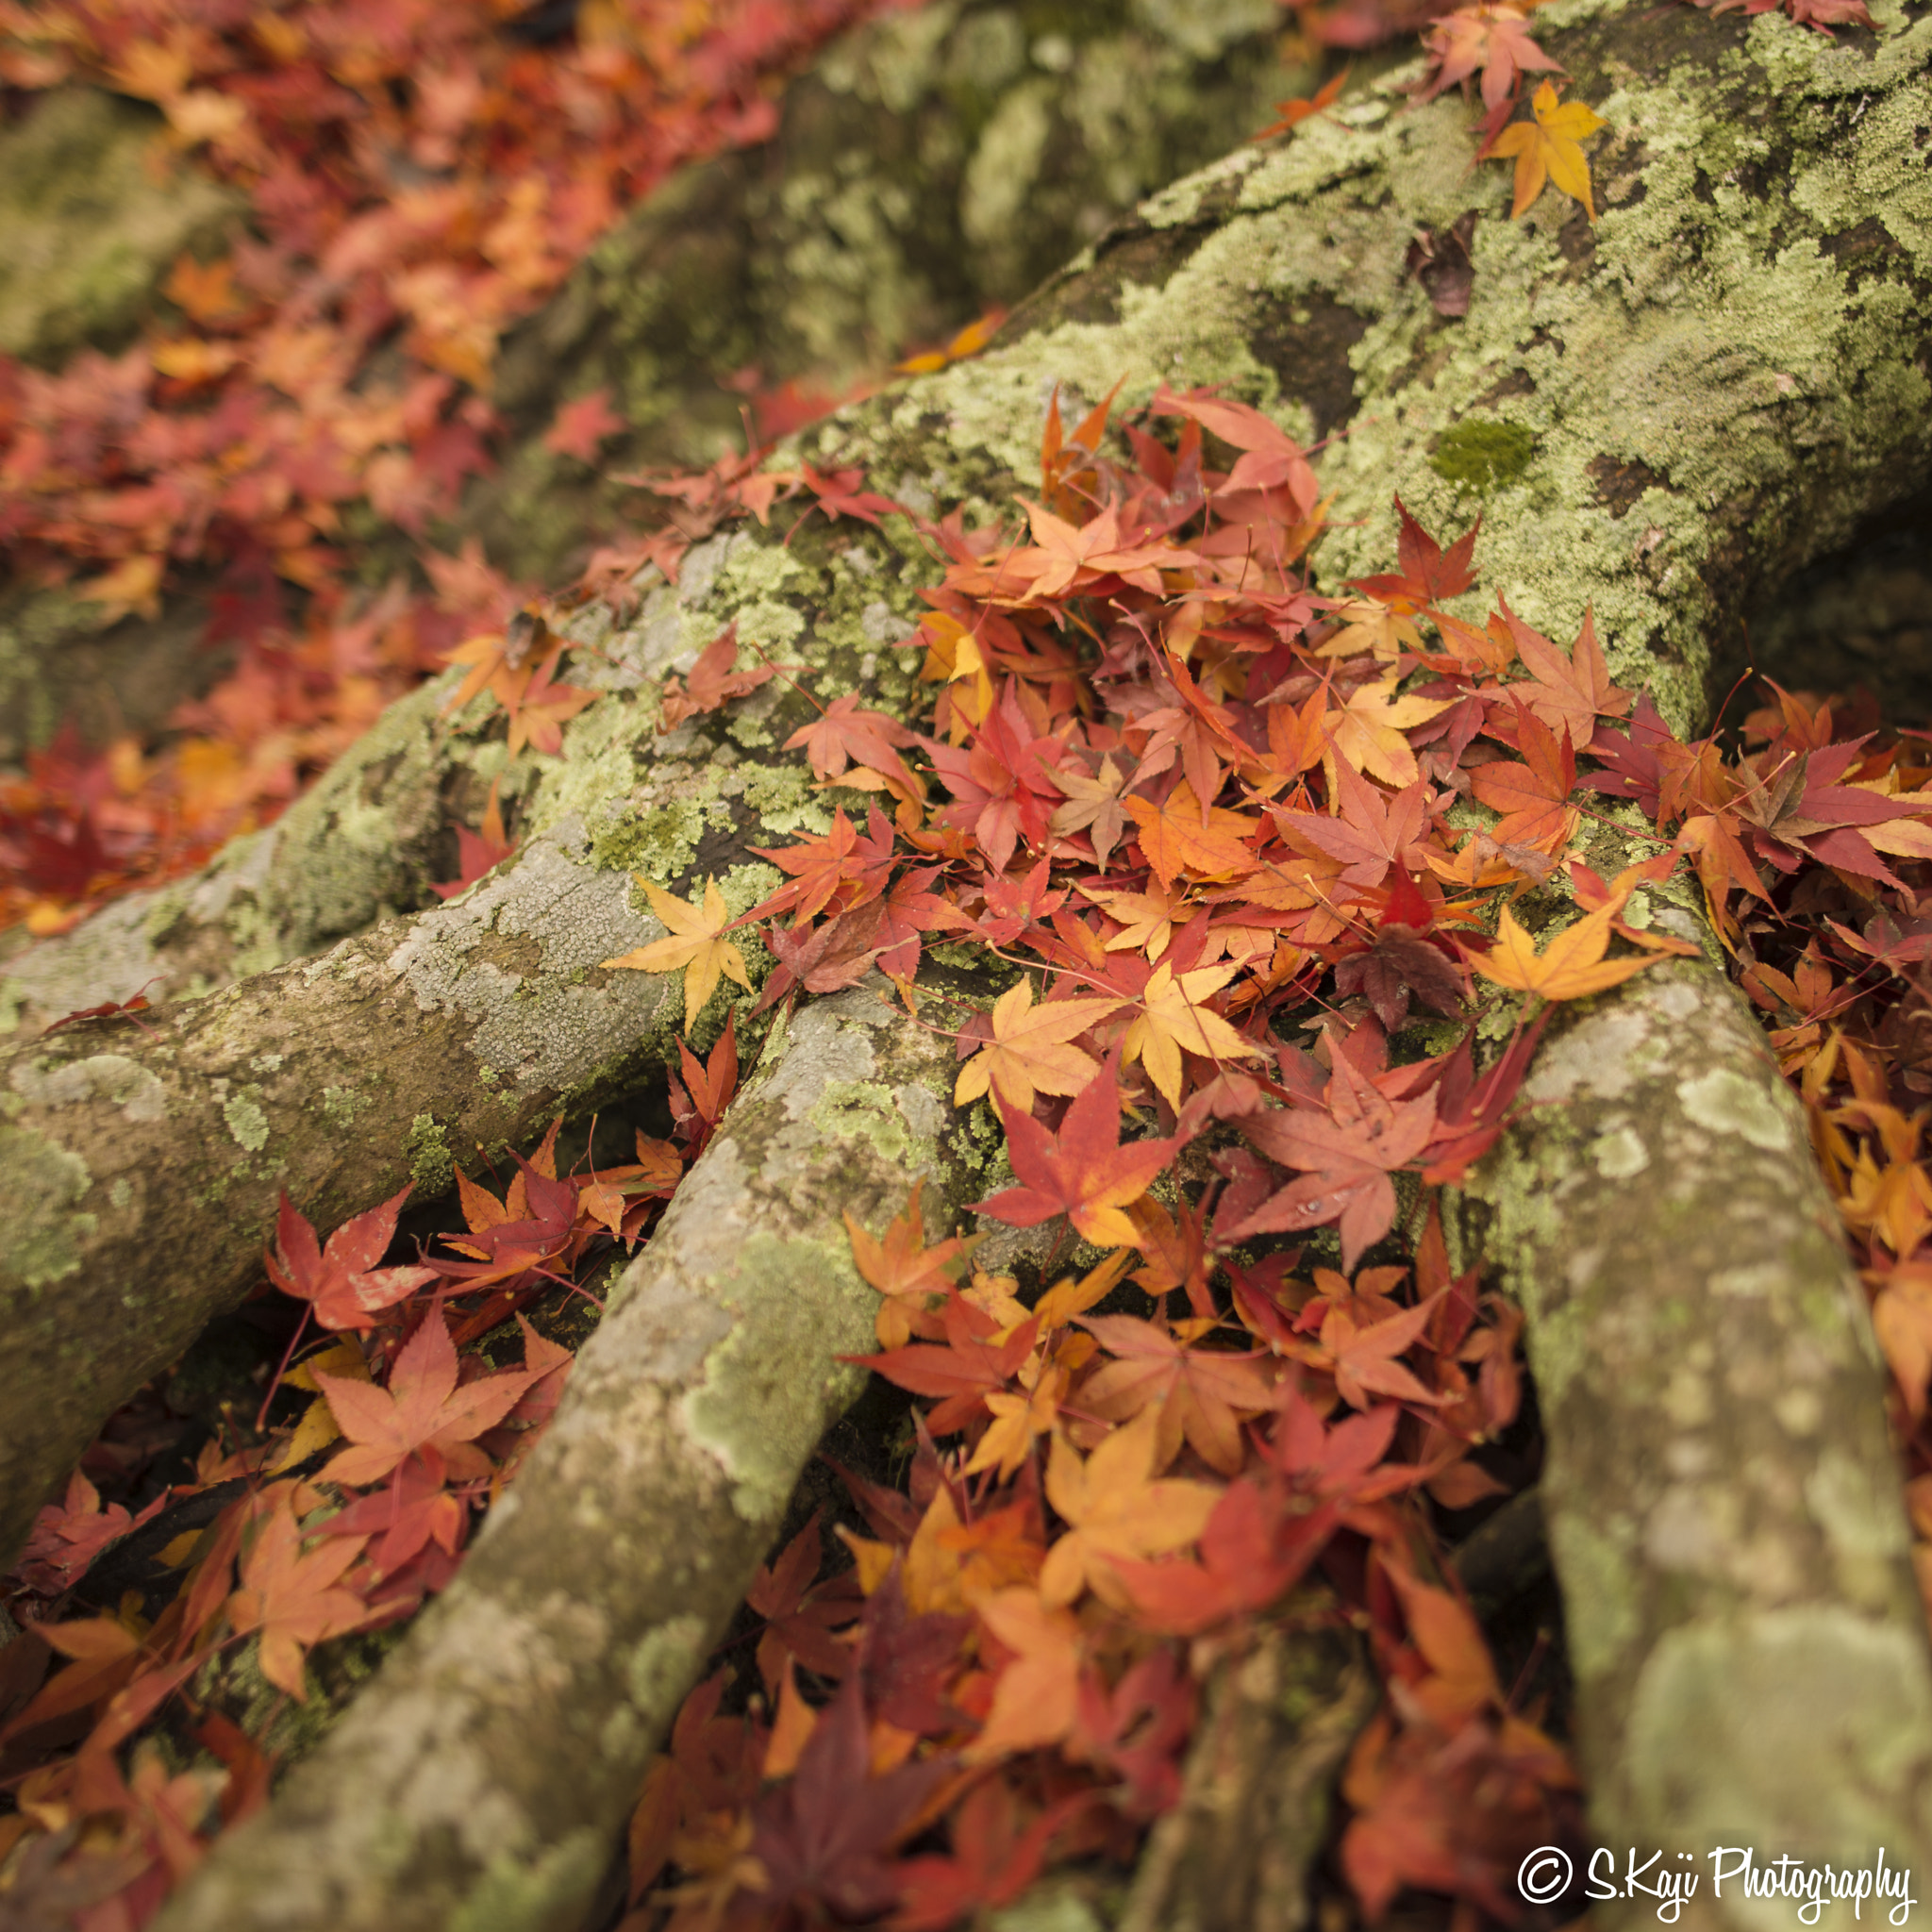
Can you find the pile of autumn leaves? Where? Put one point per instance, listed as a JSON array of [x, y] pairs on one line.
[[419, 174], [1237, 799]]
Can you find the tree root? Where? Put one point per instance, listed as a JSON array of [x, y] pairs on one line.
[[151, 1162], [1235, 1854], [1723, 1499], [483, 1776]]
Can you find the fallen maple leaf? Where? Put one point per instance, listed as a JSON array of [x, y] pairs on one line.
[[1175, 1018], [1495, 38], [289, 1598], [1036, 1698], [423, 1409], [1199, 1394], [913, 1278], [712, 682], [583, 425], [1114, 1506], [819, 1837], [342, 1283], [1571, 967], [696, 946], [1084, 1172], [1031, 1051], [1347, 1148], [1546, 149], [1292, 113], [478, 852]]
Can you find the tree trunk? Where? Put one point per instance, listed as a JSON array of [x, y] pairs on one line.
[[1665, 414]]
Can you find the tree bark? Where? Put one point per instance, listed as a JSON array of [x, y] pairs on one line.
[[1741, 1615], [1665, 413]]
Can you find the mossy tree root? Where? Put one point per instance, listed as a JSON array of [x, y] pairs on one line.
[[1721, 1497], [145, 1167], [483, 1776]]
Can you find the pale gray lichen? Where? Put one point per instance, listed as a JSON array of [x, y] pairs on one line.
[[40, 1236], [246, 1122]]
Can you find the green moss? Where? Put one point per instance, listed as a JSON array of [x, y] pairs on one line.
[[1479, 455], [784, 798], [659, 843], [431, 1165], [792, 1302], [862, 1109], [92, 227]]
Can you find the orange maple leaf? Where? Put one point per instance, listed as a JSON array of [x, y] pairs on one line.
[[1198, 1395], [289, 1597], [1084, 1172], [1571, 967], [421, 1409], [913, 1278]]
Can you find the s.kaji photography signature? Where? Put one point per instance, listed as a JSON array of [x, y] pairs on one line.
[[1549, 1872]]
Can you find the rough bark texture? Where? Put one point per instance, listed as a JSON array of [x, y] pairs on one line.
[[1746, 1637], [1666, 414], [485, 1779]]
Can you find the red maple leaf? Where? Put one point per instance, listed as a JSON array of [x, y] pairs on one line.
[[823, 1837], [584, 425], [342, 1283], [1345, 1150], [799, 1620], [1429, 575], [972, 1362], [1258, 1545], [1083, 1172], [712, 682]]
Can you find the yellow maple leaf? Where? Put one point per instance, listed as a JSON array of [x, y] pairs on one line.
[[1031, 1051], [1173, 1019], [1570, 966], [1368, 729], [1114, 1506], [696, 944], [1546, 149]]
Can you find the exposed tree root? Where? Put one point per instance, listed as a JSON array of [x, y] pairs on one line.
[[1235, 1854], [1723, 1501], [485, 1776]]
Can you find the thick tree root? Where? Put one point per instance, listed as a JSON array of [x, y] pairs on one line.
[[149, 1164], [482, 1778], [1722, 1500]]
